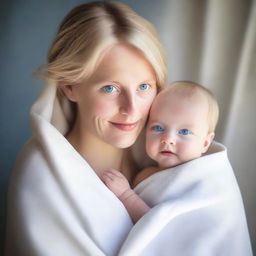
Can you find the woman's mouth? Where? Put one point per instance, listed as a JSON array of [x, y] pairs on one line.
[[125, 126]]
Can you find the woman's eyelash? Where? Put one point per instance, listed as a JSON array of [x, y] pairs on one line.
[[112, 88], [144, 87], [109, 88]]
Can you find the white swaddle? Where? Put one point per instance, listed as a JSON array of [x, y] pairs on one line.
[[197, 210], [58, 206]]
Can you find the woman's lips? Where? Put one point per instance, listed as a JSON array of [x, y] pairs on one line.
[[125, 126]]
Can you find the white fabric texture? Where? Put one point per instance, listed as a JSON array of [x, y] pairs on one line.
[[59, 206]]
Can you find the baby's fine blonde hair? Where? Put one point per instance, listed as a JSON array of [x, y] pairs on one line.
[[91, 28], [191, 88]]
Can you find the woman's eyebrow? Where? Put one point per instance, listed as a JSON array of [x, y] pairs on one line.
[[150, 81]]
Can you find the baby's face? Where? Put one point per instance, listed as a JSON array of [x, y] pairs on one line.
[[177, 130]]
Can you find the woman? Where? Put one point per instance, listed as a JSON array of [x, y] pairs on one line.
[[104, 69]]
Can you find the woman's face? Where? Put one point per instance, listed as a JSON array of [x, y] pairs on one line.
[[113, 104]]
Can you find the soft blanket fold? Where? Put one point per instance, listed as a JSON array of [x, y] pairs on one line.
[[58, 206]]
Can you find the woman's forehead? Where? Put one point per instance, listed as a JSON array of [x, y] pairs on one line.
[[123, 62]]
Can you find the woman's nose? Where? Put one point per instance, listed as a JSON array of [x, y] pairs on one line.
[[128, 104]]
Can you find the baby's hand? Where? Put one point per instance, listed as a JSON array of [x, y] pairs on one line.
[[116, 182]]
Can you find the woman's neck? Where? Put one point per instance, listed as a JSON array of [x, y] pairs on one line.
[[100, 155]]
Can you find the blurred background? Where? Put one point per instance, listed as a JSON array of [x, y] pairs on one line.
[[212, 42]]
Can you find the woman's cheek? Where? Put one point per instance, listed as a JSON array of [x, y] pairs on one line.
[[147, 105], [101, 108]]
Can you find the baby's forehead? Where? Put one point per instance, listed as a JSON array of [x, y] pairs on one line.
[[179, 95], [179, 105]]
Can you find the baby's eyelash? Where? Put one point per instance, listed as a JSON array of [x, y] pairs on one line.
[[157, 128], [185, 131]]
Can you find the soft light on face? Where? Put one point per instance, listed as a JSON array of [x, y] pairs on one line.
[[177, 130], [113, 104]]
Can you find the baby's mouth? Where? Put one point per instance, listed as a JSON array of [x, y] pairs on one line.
[[167, 153]]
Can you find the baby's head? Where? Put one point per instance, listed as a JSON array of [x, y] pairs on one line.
[[181, 124]]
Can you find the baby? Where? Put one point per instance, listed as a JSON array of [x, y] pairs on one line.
[[181, 128]]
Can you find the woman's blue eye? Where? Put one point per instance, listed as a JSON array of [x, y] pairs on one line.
[[157, 128], [109, 88], [144, 87], [185, 132]]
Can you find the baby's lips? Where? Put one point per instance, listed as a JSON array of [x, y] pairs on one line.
[[167, 152]]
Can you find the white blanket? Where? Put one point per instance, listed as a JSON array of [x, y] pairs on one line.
[[59, 207]]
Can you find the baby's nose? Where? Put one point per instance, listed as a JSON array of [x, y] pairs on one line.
[[168, 140]]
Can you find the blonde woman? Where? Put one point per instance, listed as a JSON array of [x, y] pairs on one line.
[[104, 69]]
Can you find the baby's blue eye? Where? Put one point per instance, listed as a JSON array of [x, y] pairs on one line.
[[108, 88], [185, 132], [144, 87], [157, 128]]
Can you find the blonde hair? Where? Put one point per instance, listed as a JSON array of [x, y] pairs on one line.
[[191, 88], [91, 28]]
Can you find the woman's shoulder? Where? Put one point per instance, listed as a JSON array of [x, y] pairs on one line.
[[29, 155], [30, 164]]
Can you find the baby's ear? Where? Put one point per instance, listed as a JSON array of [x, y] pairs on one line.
[[208, 140], [69, 91]]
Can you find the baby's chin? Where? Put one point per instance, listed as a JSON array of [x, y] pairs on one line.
[[170, 164], [166, 164], [163, 166]]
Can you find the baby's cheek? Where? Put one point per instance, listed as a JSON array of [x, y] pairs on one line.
[[152, 143], [183, 144], [189, 149]]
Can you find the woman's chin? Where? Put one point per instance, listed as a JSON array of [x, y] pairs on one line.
[[123, 142]]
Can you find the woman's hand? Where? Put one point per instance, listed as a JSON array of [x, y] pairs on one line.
[[116, 182]]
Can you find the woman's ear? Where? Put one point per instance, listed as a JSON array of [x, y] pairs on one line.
[[208, 140], [69, 92]]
